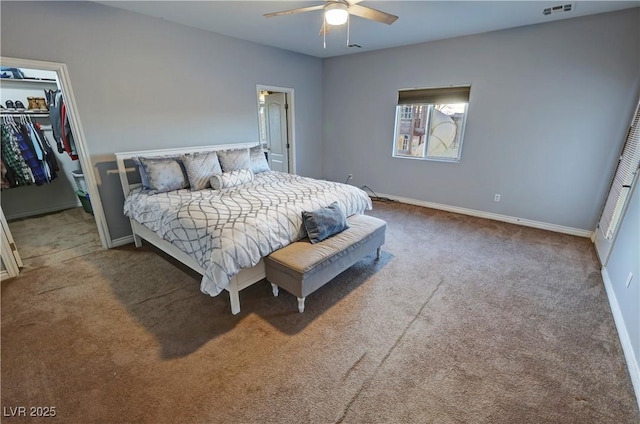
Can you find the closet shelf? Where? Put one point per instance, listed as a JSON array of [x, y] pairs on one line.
[[27, 81]]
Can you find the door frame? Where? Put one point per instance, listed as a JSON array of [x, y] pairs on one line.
[[290, 116], [78, 134]]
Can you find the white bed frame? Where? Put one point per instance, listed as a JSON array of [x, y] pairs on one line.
[[243, 279]]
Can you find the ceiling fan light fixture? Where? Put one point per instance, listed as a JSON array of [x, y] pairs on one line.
[[336, 13]]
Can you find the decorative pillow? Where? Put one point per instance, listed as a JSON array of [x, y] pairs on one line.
[[258, 160], [200, 168], [143, 175], [323, 223], [231, 179], [164, 174], [232, 160]]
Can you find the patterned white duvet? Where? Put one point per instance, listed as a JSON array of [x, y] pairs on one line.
[[231, 229]]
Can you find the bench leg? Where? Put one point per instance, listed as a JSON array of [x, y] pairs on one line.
[[378, 253], [301, 304], [274, 289]]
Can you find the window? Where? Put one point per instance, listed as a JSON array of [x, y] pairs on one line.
[[430, 123], [625, 175]]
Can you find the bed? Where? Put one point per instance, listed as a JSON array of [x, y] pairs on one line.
[[224, 232]]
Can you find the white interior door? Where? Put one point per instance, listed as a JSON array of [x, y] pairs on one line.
[[10, 258], [277, 138]]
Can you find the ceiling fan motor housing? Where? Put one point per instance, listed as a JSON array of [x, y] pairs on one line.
[[336, 13]]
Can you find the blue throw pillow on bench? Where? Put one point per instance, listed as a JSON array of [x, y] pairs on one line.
[[323, 223]]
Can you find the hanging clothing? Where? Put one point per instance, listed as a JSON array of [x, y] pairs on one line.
[[60, 124], [27, 156], [12, 157]]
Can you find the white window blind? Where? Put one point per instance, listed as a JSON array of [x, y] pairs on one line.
[[625, 174]]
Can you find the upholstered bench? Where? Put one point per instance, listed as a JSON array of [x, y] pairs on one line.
[[301, 267]]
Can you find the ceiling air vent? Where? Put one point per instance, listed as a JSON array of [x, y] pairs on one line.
[[567, 7]]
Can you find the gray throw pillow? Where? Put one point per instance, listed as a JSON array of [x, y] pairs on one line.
[[258, 160], [164, 174], [323, 223], [143, 174], [232, 160], [200, 168]]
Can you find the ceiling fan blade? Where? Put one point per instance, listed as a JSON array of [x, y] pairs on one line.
[[373, 14], [293, 11], [325, 28]]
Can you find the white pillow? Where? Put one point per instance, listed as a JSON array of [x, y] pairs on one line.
[[231, 179]]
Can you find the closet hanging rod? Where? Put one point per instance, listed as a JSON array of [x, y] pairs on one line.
[[29, 114]]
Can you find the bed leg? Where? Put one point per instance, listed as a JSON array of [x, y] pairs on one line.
[[301, 304], [274, 289], [378, 251], [137, 240], [234, 298]]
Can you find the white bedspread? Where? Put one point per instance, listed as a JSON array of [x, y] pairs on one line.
[[231, 229]]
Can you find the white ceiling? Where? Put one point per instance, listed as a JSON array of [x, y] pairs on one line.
[[419, 21]]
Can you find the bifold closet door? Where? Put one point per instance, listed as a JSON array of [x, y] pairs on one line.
[[621, 188], [10, 256]]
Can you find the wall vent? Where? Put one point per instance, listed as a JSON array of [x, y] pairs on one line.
[[566, 7]]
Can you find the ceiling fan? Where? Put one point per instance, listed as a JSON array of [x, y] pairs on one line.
[[336, 13]]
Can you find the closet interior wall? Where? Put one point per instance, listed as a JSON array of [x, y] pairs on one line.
[[58, 195]]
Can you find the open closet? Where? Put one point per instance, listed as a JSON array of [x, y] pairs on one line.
[[47, 215]]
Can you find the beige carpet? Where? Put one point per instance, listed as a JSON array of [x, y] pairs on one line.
[[463, 320], [53, 238]]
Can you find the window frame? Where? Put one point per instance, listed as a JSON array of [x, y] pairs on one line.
[[427, 94]]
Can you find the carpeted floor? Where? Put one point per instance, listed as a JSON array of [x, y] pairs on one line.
[[56, 237], [463, 320]]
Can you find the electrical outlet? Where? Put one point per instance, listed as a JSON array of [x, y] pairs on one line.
[[496, 197], [629, 278]]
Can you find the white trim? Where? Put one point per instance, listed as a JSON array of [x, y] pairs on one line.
[[122, 241], [623, 334], [4, 275], [11, 265], [76, 127], [494, 216], [291, 120], [51, 209]]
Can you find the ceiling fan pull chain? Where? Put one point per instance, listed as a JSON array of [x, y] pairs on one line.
[[348, 28], [324, 33]]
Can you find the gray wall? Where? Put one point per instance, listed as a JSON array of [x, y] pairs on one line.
[[144, 83], [547, 115], [625, 258]]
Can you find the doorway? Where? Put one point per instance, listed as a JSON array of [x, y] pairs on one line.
[[72, 193], [276, 126]]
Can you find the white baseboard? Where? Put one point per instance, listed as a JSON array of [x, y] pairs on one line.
[[33, 212], [625, 341], [490, 215], [122, 241], [4, 275]]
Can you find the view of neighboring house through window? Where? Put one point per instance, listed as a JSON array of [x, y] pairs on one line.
[[430, 123]]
